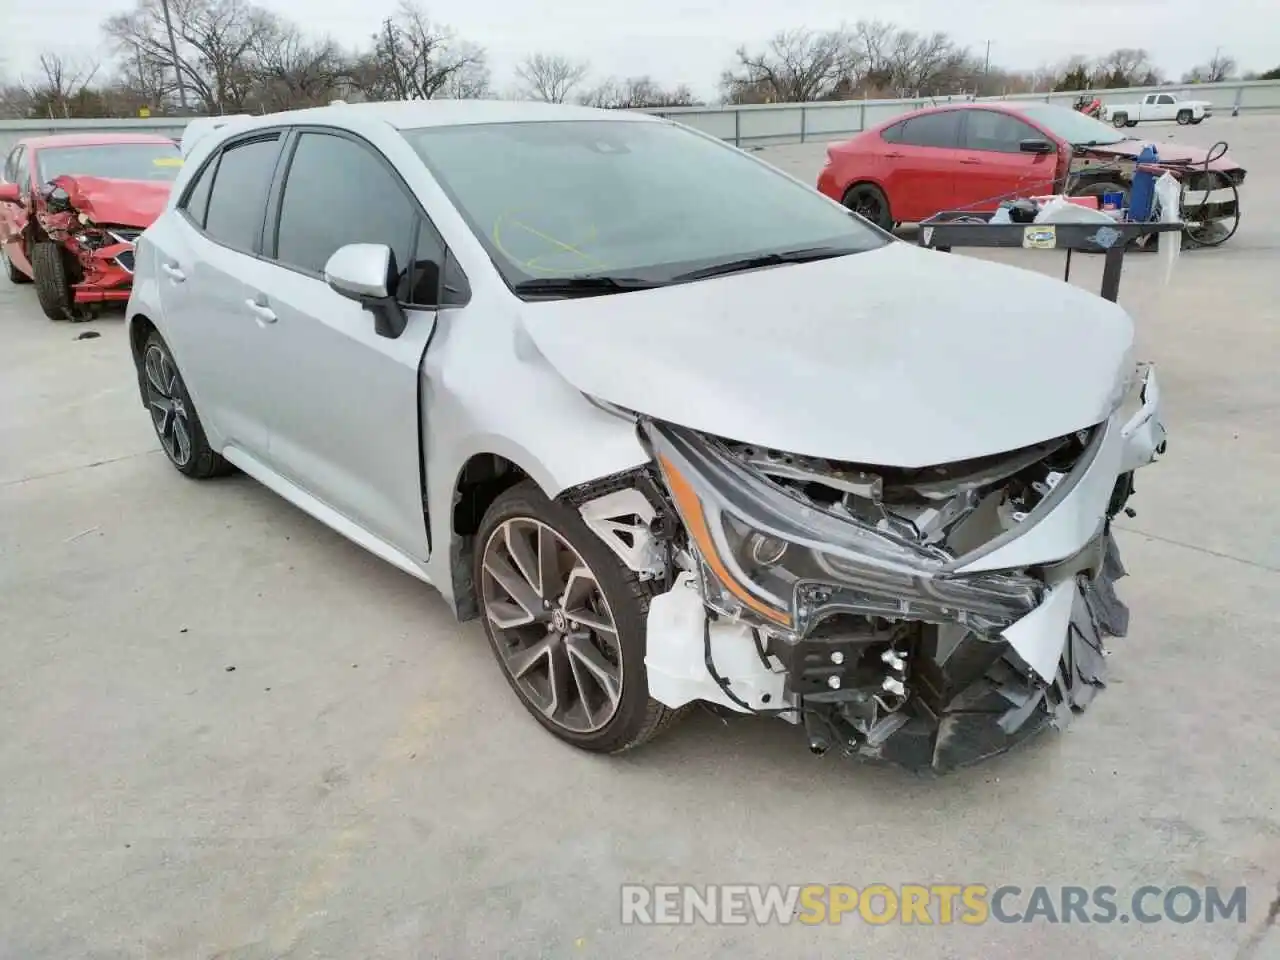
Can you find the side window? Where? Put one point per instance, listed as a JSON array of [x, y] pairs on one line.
[[997, 132], [10, 166], [892, 134], [338, 192], [933, 130], [197, 203], [239, 193], [1165, 98], [21, 172]]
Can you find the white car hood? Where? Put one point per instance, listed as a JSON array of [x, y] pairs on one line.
[[896, 357]]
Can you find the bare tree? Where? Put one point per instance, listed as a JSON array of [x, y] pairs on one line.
[[216, 44], [414, 59], [795, 66], [1222, 66], [636, 93], [60, 82], [1125, 67], [296, 72], [549, 77]]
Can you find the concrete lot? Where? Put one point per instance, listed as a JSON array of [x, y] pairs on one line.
[[363, 784]]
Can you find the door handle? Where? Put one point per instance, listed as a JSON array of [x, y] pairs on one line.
[[971, 161], [893, 156], [260, 310], [174, 274]]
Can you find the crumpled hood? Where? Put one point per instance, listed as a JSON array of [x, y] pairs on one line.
[[128, 203], [896, 357], [1173, 152]]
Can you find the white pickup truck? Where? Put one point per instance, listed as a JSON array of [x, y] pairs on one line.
[[1157, 106]]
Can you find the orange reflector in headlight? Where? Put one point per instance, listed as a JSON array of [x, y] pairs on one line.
[[695, 519]]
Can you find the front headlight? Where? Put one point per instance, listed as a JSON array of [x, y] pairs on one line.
[[785, 562]]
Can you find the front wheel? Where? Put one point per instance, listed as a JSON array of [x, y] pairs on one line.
[[53, 288], [566, 622], [1197, 120], [1184, 117], [869, 202], [1119, 120]]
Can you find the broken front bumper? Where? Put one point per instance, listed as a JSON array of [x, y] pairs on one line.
[[972, 690]]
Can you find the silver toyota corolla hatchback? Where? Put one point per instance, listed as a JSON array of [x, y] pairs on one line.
[[676, 427]]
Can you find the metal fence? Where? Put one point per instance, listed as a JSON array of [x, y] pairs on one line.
[[760, 125]]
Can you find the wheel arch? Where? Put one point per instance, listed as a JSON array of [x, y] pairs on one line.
[[140, 327], [481, 479]]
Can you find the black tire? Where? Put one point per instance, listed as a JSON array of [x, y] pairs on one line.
[[11, 271], [636, 718], [868, 201], [1119, 119], [53, 288], [1197, 120], [173, 415], [1132, 123], [1183, 117], [1099, 187]]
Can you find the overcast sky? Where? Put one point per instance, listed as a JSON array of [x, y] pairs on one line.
[[691, 41]]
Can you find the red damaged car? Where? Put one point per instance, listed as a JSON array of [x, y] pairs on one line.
[[971, 156], [72, 206]]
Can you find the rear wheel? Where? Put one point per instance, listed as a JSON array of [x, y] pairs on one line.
[[1131, 123], [10, 269], [1184, 117], [53, 288], [869, 202], [1120, 119], [1197, 119], [173, 415], [566, 622]]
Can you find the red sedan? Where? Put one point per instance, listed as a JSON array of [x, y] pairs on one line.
[[971, 156], [72, 206]]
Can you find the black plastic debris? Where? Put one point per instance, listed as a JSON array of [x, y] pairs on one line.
[[88, 335]]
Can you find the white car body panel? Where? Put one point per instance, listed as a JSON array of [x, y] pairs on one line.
[[880, 359]]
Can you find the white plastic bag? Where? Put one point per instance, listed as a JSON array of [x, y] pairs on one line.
[[1001, 215], [1062, 210], [1168, 206]]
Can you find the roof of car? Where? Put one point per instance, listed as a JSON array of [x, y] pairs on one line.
[[92, 139], [410, 114]]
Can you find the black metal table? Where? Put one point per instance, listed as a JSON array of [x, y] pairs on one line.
[[964, 228]]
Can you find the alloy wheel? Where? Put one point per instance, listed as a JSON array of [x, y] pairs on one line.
[[551, 625], [168, 408]]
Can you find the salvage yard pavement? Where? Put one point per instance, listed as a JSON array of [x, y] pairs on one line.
[[227, 732]]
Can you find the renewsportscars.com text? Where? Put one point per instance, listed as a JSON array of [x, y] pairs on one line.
[[927, 904]]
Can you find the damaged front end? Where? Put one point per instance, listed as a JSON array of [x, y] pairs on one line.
[[928, 617], [99, 255]]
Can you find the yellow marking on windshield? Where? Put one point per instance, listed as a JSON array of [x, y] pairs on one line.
[[532, 264], [167, 161]]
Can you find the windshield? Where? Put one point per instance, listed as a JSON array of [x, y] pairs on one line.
[[114, 161], [646, 201], [1071, 125]]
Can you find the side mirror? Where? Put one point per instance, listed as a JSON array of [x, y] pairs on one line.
[[1037, 146], [367, 274], [56, 199], [9, 193]]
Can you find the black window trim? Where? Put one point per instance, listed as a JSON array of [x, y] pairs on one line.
[[275, 200], [214, 160]]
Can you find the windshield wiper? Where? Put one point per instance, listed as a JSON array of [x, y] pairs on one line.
[[584, 286], [803, 255]]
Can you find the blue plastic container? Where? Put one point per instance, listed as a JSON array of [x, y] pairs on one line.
[[1142, 193], [1112, 201]]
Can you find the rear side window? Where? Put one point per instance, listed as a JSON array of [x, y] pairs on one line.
[[239, 193], [337, 192], [933, 130], [995, 131], [892, 134], [197, 202]]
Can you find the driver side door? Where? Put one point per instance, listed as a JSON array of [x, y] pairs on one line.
[[341, 401], [13, 216]]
